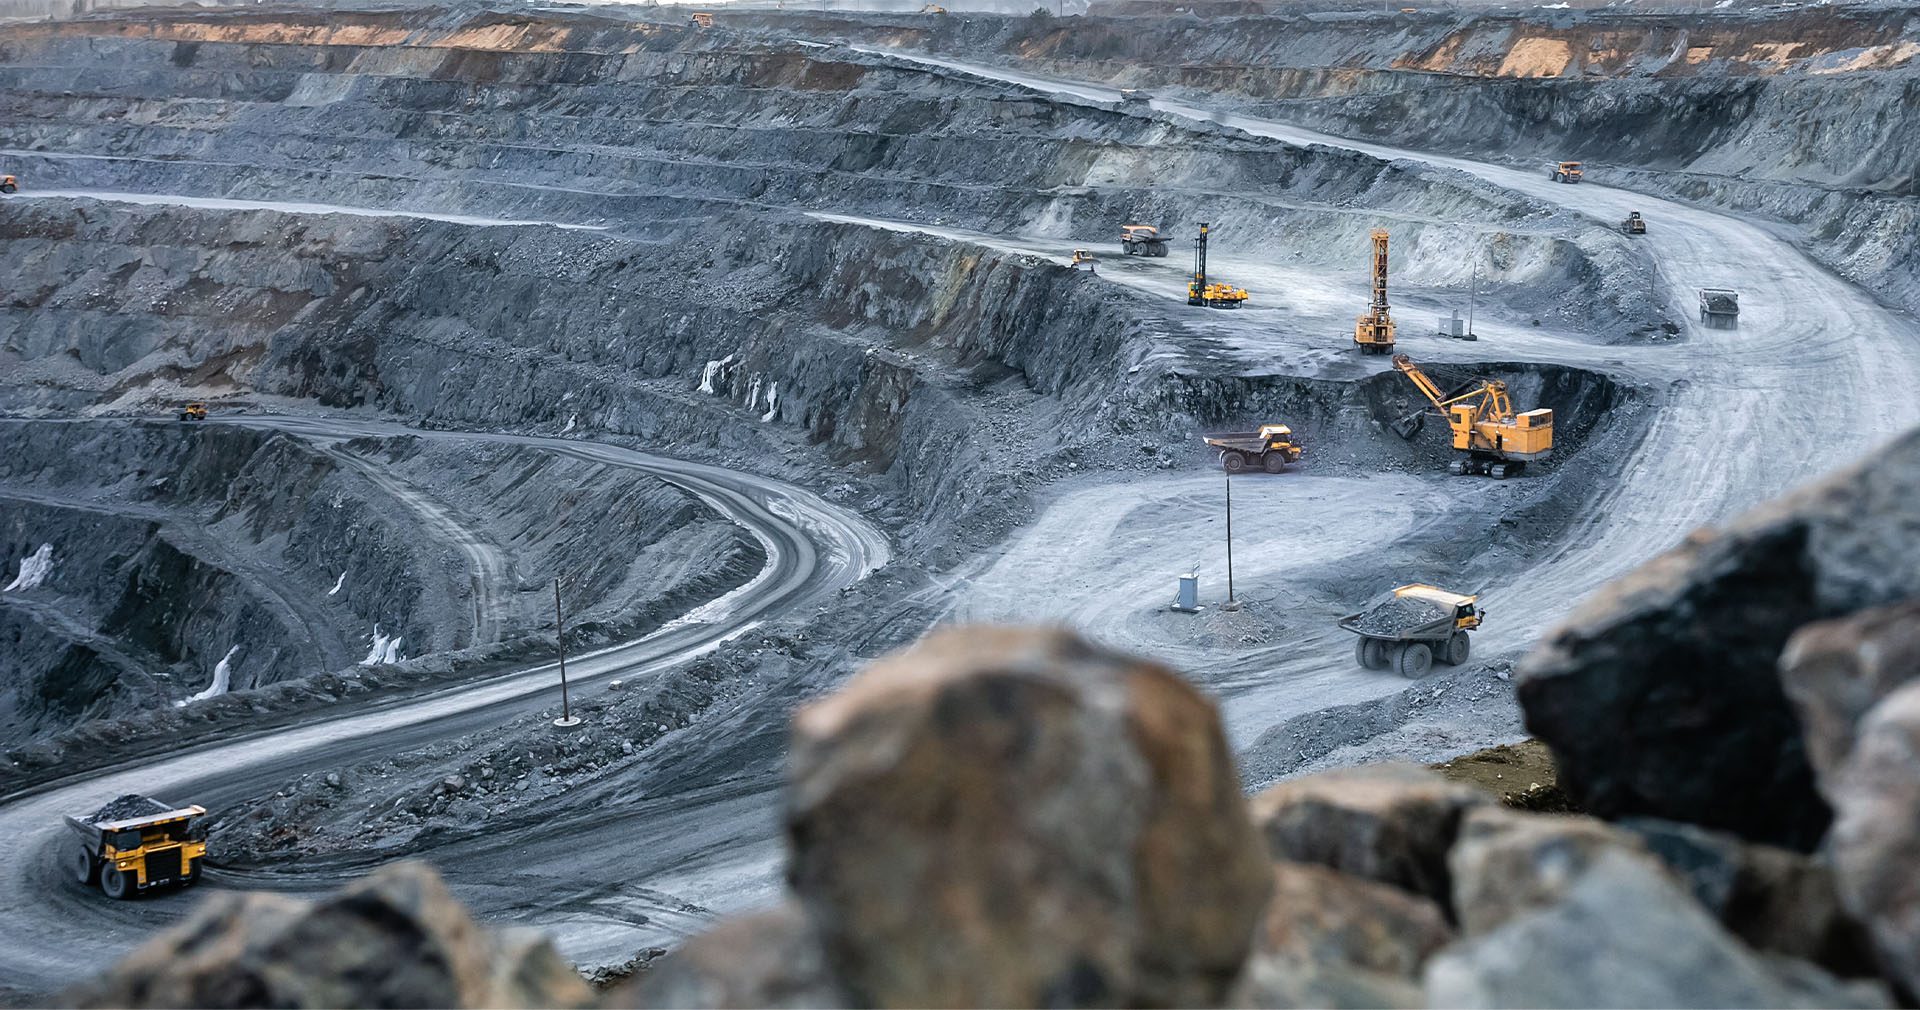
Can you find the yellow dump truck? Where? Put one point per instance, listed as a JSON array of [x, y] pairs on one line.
[[1271, 448], [137, 843], [1412, 627], [195, 411]]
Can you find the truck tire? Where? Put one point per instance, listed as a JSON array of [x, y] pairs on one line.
[[1457, 648], [1370, 653], [84, 867], [1233, 461], [9, 188], [1413, 660], [116, 884], [1273, 462]]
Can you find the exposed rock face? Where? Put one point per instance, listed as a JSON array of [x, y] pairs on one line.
[[1014, 817], [1660, 695], [1389, 823], [396, 938], [1876, 838], [772, 959], [1835, 671], [1329, 939], [1625, 935]]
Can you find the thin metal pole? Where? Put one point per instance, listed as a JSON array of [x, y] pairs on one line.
[[560, 626], [1473, 292], [1229, 538]]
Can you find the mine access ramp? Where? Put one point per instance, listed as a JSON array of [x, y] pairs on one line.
[[137, 842], [1411, 627]]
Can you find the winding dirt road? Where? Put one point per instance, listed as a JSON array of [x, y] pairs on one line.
[[60, 933]]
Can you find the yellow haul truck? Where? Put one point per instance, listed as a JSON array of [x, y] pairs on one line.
[[1413, 627], [136, 843]]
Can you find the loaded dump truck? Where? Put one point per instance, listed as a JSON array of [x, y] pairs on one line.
[[1413, 626], [1720, 307], [136, 843], [1271, 449]]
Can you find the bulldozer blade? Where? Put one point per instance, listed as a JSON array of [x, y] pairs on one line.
[[1409, 426]]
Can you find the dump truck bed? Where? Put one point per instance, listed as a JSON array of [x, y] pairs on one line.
[[1415, 612], [132, 811], [1246, 441]]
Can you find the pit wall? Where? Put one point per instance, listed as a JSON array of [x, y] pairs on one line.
[[632, 123], [1794, 115], [173, 543]]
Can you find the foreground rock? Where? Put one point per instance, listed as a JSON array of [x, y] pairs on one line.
[[1625, 935], [1329, 939], [1836, 671], [1876, 840], [1508, 864], [1660, 695], [1014, 817], [1390, 823], [396, 938], [770, 959]]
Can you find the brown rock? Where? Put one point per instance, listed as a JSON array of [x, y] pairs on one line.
[[1876, 837], [393, 938], [1016, 817], [1661, 696], [768, 959], [1508, 863], [1391, 823], [1834, 671], [1329, 939]]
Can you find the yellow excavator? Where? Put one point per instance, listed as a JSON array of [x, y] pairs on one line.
[[1497, 442], [1201, 291], [1373, 332]]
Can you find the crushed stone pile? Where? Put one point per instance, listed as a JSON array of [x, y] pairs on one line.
[[130, 805], [1399, 614]]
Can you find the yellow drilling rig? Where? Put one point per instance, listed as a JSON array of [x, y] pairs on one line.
[[1374, 331], [1497, 442], [1201, 291]]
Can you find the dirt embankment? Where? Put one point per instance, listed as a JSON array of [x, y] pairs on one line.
[[178, 549]]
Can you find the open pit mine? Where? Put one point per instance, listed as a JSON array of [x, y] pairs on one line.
[[1149, 503]]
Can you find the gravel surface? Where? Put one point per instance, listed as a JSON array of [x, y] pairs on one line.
[[1398, 614], [130, 805]]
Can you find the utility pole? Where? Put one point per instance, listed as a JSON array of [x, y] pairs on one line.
[[1473, 292], [1231, 605], [566, 720]]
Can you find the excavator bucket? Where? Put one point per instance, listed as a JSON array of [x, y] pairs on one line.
[[1410, 425]]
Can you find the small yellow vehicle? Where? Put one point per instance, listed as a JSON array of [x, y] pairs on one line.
[[701, 19], [1271, 448], [1082, 258], [193, 412], [137, 843], [1565, 171], [1412, 627], [9, 184]]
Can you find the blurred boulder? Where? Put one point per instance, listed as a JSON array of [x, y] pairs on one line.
[[1835, 671], [1016, 817], [1391, 823], [1876, 838], [394, 938], [766, 959], [1660, 694], [1626, 935], [1509, 863], [1329, 939]]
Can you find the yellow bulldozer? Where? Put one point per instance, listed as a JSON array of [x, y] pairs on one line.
[[193, 412], [136, 843], [1373, 332], [1497, 442]]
